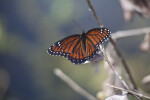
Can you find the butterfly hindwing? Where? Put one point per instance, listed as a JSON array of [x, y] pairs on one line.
[[78, 55]]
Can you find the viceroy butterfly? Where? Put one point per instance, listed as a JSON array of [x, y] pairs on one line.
[[80, 48]]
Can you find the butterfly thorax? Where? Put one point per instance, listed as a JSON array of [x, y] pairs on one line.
[[83, 37]]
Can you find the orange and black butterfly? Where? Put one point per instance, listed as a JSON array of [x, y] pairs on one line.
[[80, 48]]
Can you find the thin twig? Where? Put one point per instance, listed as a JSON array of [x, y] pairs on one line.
[[132, 32], [124, 63], [113, 43], [112, 67], [148, 40], [132, 92], [73, 85], [117, 74], [94, 13], [115, 47]]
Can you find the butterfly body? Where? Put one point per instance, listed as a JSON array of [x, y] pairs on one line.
[[80, 48]]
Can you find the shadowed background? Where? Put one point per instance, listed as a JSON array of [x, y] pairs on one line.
[[29, 27]]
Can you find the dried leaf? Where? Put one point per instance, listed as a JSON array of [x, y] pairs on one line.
[[142, 7], [97, 57], [145, 45], [146, 82], [101, 95]]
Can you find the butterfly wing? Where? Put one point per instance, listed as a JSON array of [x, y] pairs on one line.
[[94, 38], [98, 35], [70, 47]]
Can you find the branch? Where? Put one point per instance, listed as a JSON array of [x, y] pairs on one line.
[[94, 13], [114, 45], [73, 85], [112, 67], [133, 32], [132, 92], [122, 34], [106, 58], [117, 51], [124, 64]]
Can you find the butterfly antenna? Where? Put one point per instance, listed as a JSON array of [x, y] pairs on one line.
[[79, 26]]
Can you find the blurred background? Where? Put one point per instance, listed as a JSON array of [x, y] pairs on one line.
[[29, 27]]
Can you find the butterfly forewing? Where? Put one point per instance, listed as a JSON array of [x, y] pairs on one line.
[[98, 35]]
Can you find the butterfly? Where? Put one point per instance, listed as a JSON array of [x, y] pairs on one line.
[[80, 48]]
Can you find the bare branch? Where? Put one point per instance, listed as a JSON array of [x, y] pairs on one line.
[[132, 92], [114, 45], [117, 51], [124, 63], [128, 33], [94, 13], [111, 66], [73, 85], [122, 34]]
